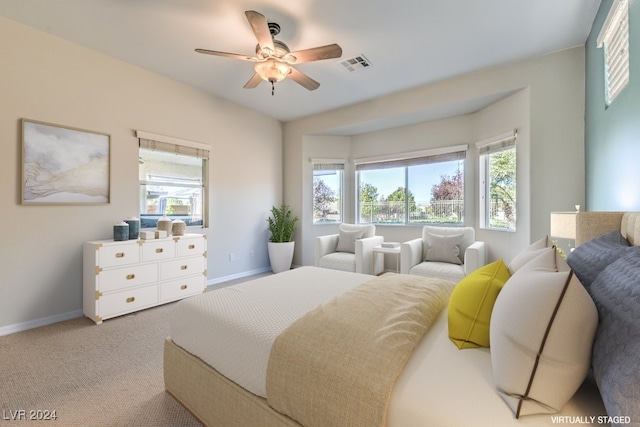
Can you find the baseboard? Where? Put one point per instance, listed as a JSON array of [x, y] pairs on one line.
[[36, 323], [215, 283]]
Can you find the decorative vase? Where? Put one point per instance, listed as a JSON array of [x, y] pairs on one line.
[[281, 255], [177, 227], [165, 224], [134, 227], [121, 232]]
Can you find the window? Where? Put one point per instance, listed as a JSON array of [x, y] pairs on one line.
[[327, 191], [420, 188], [173, 180], [614, 36], [498, 183]]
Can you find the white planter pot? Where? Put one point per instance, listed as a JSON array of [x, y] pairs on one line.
[[281, 256]]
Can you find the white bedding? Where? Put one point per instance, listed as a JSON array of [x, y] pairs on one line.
[[443, 386], [233, 329]]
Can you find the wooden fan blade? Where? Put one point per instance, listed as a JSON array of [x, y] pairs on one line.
[[261, 29], [227, 55], [315, 54], [303, 80], [253, 81]]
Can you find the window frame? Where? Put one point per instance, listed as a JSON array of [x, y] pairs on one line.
[[614, 38], [179, 147], [487, 148], [328, 165], [407, 160]]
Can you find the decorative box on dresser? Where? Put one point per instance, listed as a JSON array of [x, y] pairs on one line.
[[121, 277]]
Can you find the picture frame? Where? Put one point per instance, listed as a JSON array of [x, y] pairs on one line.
[[63, 165]]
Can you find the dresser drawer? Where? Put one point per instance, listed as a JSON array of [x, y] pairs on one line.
[[125, 277], [158, 250], [181, 268], [191, 246], [120, 254], [177, 289], [121, 277], [127, 301]]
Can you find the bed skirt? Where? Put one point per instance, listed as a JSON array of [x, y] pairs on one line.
[[212, 398]]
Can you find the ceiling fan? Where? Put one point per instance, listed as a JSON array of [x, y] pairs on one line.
[[274, 60]]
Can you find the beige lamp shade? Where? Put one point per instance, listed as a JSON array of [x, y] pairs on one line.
[[563, 225]]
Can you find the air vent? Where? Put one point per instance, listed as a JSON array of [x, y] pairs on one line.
[[359, 62]]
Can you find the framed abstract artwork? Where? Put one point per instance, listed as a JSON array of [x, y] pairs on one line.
[[64, 165]]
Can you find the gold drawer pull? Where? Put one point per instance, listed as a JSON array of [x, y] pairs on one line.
[[183, 287], [183, 267], [159, 250], [131, 276], [192, 246], [120, 255], [131, 299]]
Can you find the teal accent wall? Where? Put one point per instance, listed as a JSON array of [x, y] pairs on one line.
[[612, 134]]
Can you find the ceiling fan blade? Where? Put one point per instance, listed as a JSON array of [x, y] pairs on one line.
[[303, 80], [315, 54], [227, 55], [260, 29], [253, 81]]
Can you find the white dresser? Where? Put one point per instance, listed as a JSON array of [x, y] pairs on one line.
[[126, 276]]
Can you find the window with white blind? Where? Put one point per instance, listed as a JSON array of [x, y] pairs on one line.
[[327, 191], [424, 187], [497, 170], [173, 180], [614, 37]]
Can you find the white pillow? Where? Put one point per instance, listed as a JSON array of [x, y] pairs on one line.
[[444, 248], [347, 240], [368, 230], [542, 328], [527, 254]]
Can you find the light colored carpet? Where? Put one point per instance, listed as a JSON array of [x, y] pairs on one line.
[[91, 375]]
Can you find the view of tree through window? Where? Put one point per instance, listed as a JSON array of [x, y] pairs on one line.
[[413, 194], [327, 194], [502, 189]]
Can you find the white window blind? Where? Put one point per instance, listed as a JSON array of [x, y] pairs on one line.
[[172, 145], [614, 36], [497, 143], [412, 159], [327, 164]]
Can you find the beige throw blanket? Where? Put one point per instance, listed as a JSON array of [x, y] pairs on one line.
[[336, 366]]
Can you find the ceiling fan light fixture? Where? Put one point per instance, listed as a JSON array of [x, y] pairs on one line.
[[272, 70], [273, 59]]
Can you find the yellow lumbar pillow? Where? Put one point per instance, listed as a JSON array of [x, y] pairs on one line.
[[471, 304]]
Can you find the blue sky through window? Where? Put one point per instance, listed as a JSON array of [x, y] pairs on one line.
[[421, 178]]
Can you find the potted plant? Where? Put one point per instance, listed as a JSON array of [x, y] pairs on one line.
[[282, 225]]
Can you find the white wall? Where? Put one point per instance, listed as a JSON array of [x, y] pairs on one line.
[[48, 79], [506, 115], [548, 108]]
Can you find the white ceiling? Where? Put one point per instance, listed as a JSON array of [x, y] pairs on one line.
[[409, 43]]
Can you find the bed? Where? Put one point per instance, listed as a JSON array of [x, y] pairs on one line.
[[216, 369]]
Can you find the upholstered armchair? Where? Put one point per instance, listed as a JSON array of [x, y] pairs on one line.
[[444, 252], [350, 250]]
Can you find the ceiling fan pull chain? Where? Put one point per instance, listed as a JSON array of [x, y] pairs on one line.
[[273, 88]]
